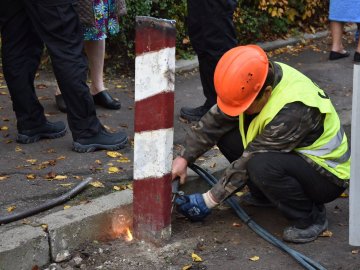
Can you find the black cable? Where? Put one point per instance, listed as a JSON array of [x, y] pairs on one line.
[[47, 205], [306, 262]]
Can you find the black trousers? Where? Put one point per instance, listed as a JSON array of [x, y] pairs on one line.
[[212, 33], [55, 24], [285, 179]]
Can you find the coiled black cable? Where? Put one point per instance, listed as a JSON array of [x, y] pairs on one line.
[[306, 262]]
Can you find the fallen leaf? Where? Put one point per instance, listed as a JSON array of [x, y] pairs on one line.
[[4, 128], [43, 98], [213, 165], [344, 195], [8, 141], [61, 158], [60, 177], [113, 154], [326, 233], [41, 86], [254, 258], [236, 224], [66, 185], [98, 162], [11, 208], [129, 186], [50, 175], [123, 160], [32, 161], [117, 188], [77, 177], [187, 267], [67, 207], [113, 170], [31, 176], [196, 258], [97, 184], [355, 251], [44, 226], [4, 177]]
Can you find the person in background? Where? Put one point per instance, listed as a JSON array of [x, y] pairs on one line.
[[282, 137], [26, 26], [341, 12], [106, 24], [212, 33]]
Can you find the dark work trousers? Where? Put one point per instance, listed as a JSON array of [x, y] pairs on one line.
[[212, 33], [55, 24], [285, 179]]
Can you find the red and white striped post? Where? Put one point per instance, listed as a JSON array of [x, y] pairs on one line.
[[154, 127]]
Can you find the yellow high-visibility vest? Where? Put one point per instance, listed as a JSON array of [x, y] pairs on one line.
[[331, 149]]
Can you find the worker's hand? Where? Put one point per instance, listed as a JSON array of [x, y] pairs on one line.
[[179, 169], [192, 206]]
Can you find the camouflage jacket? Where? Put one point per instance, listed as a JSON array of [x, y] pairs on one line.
[[296, 125]]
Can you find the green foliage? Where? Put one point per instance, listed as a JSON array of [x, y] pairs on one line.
[[255, 21]]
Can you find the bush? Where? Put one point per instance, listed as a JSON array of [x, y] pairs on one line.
[[255, 21]]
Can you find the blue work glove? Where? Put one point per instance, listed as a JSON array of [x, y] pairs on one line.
[[192, 206]]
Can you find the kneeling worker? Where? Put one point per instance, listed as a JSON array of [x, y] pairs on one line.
[[282, 136]]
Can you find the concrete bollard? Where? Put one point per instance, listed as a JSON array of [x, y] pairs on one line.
[[354, 200], [154, 128]]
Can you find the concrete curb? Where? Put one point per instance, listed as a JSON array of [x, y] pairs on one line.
[[25, 246], [22, 246]]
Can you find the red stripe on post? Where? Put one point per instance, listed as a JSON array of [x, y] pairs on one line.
[[152, 206], [154, 113], [152, 36]]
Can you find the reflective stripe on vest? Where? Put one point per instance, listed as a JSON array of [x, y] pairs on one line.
[[334, 143]]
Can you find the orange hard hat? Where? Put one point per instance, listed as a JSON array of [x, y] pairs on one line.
[[239, 76]]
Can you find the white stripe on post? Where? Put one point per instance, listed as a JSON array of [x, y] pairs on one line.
[[354, 200], [154, 127]]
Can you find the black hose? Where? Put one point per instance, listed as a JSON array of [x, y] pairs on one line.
[[306, 262], [47, 205]]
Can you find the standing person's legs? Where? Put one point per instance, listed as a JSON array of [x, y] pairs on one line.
[[296, 189], [337, 48], [21, 53], [95, 51], [58, 26], [212, 33]]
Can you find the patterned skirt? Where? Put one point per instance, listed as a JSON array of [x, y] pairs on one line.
[[106, 21]]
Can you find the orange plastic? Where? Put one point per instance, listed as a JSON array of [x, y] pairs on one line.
[[239, 76]]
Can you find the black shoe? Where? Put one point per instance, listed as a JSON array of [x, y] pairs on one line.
[[60, 103], [296, 235], [193, 114], [105, 100], [249, 200], [46, 131], [357, 57], [102, 141], [337, 55]]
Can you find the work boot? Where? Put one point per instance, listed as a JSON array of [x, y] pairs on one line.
[[102, 141], [193, 114], [48, 130], [249, 200], [303, 235]]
